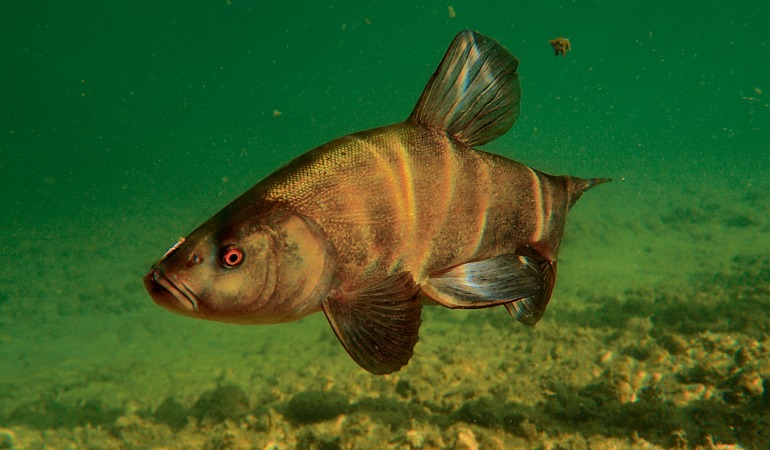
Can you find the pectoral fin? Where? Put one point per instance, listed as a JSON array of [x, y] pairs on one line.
[[379, 325], [521, 281]]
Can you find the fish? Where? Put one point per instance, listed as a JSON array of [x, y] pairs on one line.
[[373, 226]]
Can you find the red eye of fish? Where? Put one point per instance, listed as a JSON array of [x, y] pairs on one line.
[[231, 256]]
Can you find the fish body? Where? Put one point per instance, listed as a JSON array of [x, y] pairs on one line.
[[369, 227]]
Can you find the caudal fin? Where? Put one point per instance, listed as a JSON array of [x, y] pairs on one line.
[[577, 186]]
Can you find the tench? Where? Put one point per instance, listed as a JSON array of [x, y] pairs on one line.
[[370, 227]]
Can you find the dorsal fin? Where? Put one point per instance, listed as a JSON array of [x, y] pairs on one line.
[[474, 94]]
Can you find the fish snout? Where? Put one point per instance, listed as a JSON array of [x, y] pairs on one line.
[[167, 294]]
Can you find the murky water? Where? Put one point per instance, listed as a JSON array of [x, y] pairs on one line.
[[126, 125]]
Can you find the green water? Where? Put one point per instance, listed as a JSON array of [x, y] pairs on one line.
[[125, 124]]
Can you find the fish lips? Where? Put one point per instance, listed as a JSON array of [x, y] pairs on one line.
[[173, 296]]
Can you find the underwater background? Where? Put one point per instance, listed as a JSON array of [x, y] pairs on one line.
[[123, 125]]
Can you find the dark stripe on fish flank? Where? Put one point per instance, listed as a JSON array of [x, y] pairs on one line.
[[414, 181], [442, 251], [465, 218], [540, 206], [386, 200], [381, 198], [374, 207], [440, 193], [428, 154], [441, 198], [492, 209]]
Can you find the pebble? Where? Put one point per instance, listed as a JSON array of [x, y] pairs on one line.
[[415, 438], [467, 440], [675, 345], [7, 438], [742, 356], [606, 357]]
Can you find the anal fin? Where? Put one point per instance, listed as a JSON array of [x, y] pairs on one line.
[[530, 310], [378, 325], [521, 281]]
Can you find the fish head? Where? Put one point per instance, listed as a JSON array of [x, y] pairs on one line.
[[269, 271], [214, 274]]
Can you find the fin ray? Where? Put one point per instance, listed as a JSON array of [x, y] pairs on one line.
[[474, 94], [481, 284], [379, 325], [530, 310]]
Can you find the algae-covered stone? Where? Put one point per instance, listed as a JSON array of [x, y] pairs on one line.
[[172, 413], [309, 440], [227, 402], [674, 344], [315, 406], [51, 413], [405, 389], [742, 356], [7, 439], [482, 412], [387, 411]]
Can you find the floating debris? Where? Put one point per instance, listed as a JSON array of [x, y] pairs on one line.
[[561, 45]]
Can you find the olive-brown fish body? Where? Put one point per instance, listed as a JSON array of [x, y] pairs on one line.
[[368, 227], [408, 198]]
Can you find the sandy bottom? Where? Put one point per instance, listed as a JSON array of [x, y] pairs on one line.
[[657, 337]]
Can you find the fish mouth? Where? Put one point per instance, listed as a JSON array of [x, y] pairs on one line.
[[170, 295]]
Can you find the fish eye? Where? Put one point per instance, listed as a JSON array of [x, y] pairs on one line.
[[231, 256]]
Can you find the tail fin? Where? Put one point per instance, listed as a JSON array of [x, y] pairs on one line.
[[576, 186]]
